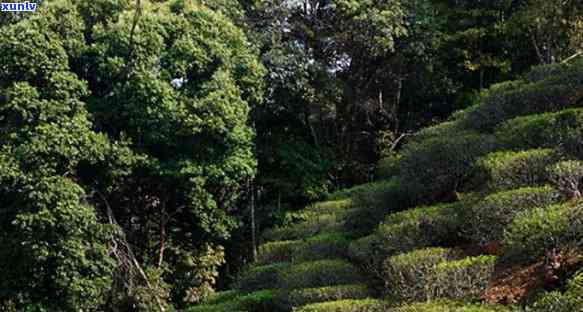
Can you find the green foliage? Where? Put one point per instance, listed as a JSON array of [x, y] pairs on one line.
[[261, 277], [322, 246], [260, 301], [436, 168], [319, 274], [520, 98], [376, 200], [331, 206], [537, 231], [409, 276], [488, 218], [363, 305], [314, 225], [510, 170], [300, 297], [388, 167], [557, 301], [449, 306], [567, 176], [428, 274]]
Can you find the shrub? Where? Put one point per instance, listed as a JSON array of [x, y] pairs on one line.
[[332, 206], [436, 168], [371, 205], [300, 297], [319, 274], [323, 246], [260, 301], [363, 305], [221, 297], [419, 227], [350, 192], [261, 277], [567, 176], [463, 279], [449, 306], [409, 276], [281, 251], [315, 224], [556, 301], [488, 218], [557, 92], [543, 131], [534, 232], [388, 167], [509, 170]]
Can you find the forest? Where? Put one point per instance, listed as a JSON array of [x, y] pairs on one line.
[[291, 156]]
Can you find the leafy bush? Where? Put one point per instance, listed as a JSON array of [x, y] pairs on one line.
[[388, 167], [463, 279], [568, 177], [319, 274], [221, 297], [362, 188], [260, 301], [487, 219], [509, 170], [428, 274], [331, 206], [300, 297], [534, 232], [364, 305], [323, 246], [372, 204], [261, 277], [436, 168], [280, 251], [547, 130], [556, 301], [314, 225], [405, 231], [556, 92], [408, 276], [448, 306]]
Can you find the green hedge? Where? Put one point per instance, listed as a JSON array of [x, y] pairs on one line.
[[558, 91], [261, 277], [567, 176], [509, 170], [371, 205], [405, 231], [362, 188], [408, 276], [388, 167], [301, 297], [487, 219], [323, 246], [436, 168], [314, 225], [534, 232], [433, 273], [464, 279], [363, 305], [319, 274], [547, 130], [332, 206], [449, 306], [260, 301]]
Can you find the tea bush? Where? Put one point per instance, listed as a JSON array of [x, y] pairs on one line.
[[319, 274], [567, 176], [436, 168], [364, 305], [300, 297], [488, 218], [510, 170], [261, 277], [280, 251], [463, 279], [449, 306], [314, 225], [409, 276], [536, 231]]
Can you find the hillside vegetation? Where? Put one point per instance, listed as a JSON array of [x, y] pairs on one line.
[[480, 213]]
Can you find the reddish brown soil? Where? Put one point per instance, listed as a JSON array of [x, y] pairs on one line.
[[514, 284]]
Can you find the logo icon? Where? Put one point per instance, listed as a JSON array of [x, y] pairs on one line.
[[18, 7]]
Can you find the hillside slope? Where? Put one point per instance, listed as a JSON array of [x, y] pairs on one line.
[[480, 213]]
